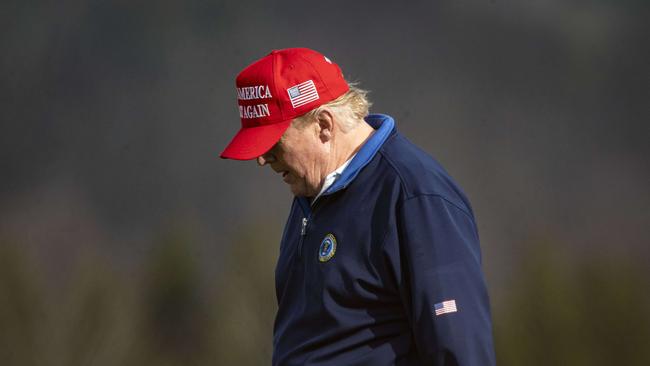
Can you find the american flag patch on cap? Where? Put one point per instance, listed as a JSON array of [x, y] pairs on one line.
[[445, 307], [302, 93]]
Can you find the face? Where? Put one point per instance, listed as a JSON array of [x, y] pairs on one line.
[[300, 157]]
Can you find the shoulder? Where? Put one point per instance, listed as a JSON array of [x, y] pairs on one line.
[[420, 174]]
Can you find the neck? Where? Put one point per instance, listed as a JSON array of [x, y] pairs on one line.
[[348, 144]]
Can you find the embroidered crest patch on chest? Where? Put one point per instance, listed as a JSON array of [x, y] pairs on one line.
[[327, 248]]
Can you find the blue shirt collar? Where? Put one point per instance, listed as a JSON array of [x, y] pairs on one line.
[[383, 125]]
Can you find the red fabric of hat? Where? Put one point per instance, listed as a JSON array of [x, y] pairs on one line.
[[274, 90]]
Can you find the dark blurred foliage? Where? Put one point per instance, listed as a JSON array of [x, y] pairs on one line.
[[592, 311], [556, 311], [175, 312], [125, 240]]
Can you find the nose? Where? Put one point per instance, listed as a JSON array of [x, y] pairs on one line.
[[260, 160], [265, 159]]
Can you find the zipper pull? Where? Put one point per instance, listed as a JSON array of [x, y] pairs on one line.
[[303, 230]]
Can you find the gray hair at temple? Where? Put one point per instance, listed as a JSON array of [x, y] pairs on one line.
[[349, 109]]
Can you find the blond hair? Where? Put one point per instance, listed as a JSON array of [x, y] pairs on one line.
[[350, 108]]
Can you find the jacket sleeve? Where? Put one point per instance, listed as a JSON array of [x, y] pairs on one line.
[[437, 261]]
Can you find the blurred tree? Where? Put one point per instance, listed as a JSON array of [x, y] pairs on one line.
[[21, 308], [174, 313], [94, 317], [245, 302]]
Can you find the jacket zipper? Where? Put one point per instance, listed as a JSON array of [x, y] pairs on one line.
[[303, 232], [303, 228]]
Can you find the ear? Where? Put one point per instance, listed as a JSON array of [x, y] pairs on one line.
[[325, 121]]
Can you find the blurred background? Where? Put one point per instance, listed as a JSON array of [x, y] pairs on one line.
[[125, 240]]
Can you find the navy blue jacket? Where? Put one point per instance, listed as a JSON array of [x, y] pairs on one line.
[[363, 272]]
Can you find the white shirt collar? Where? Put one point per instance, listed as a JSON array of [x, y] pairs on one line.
[[332, 177]]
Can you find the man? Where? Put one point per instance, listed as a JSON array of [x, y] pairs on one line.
[[379, 261]]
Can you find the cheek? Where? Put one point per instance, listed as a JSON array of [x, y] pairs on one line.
[[296, 161]]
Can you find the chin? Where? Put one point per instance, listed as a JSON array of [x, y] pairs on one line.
[[301, 192]]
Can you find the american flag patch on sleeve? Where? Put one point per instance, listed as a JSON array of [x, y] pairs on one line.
[[445, 307], [302, 93]]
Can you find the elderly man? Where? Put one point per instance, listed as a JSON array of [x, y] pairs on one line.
[[379, 261]]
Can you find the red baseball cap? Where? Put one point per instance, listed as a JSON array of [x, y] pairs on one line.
[[274, 90]]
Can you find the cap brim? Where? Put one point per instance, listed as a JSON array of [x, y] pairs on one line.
[[249, 143]]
